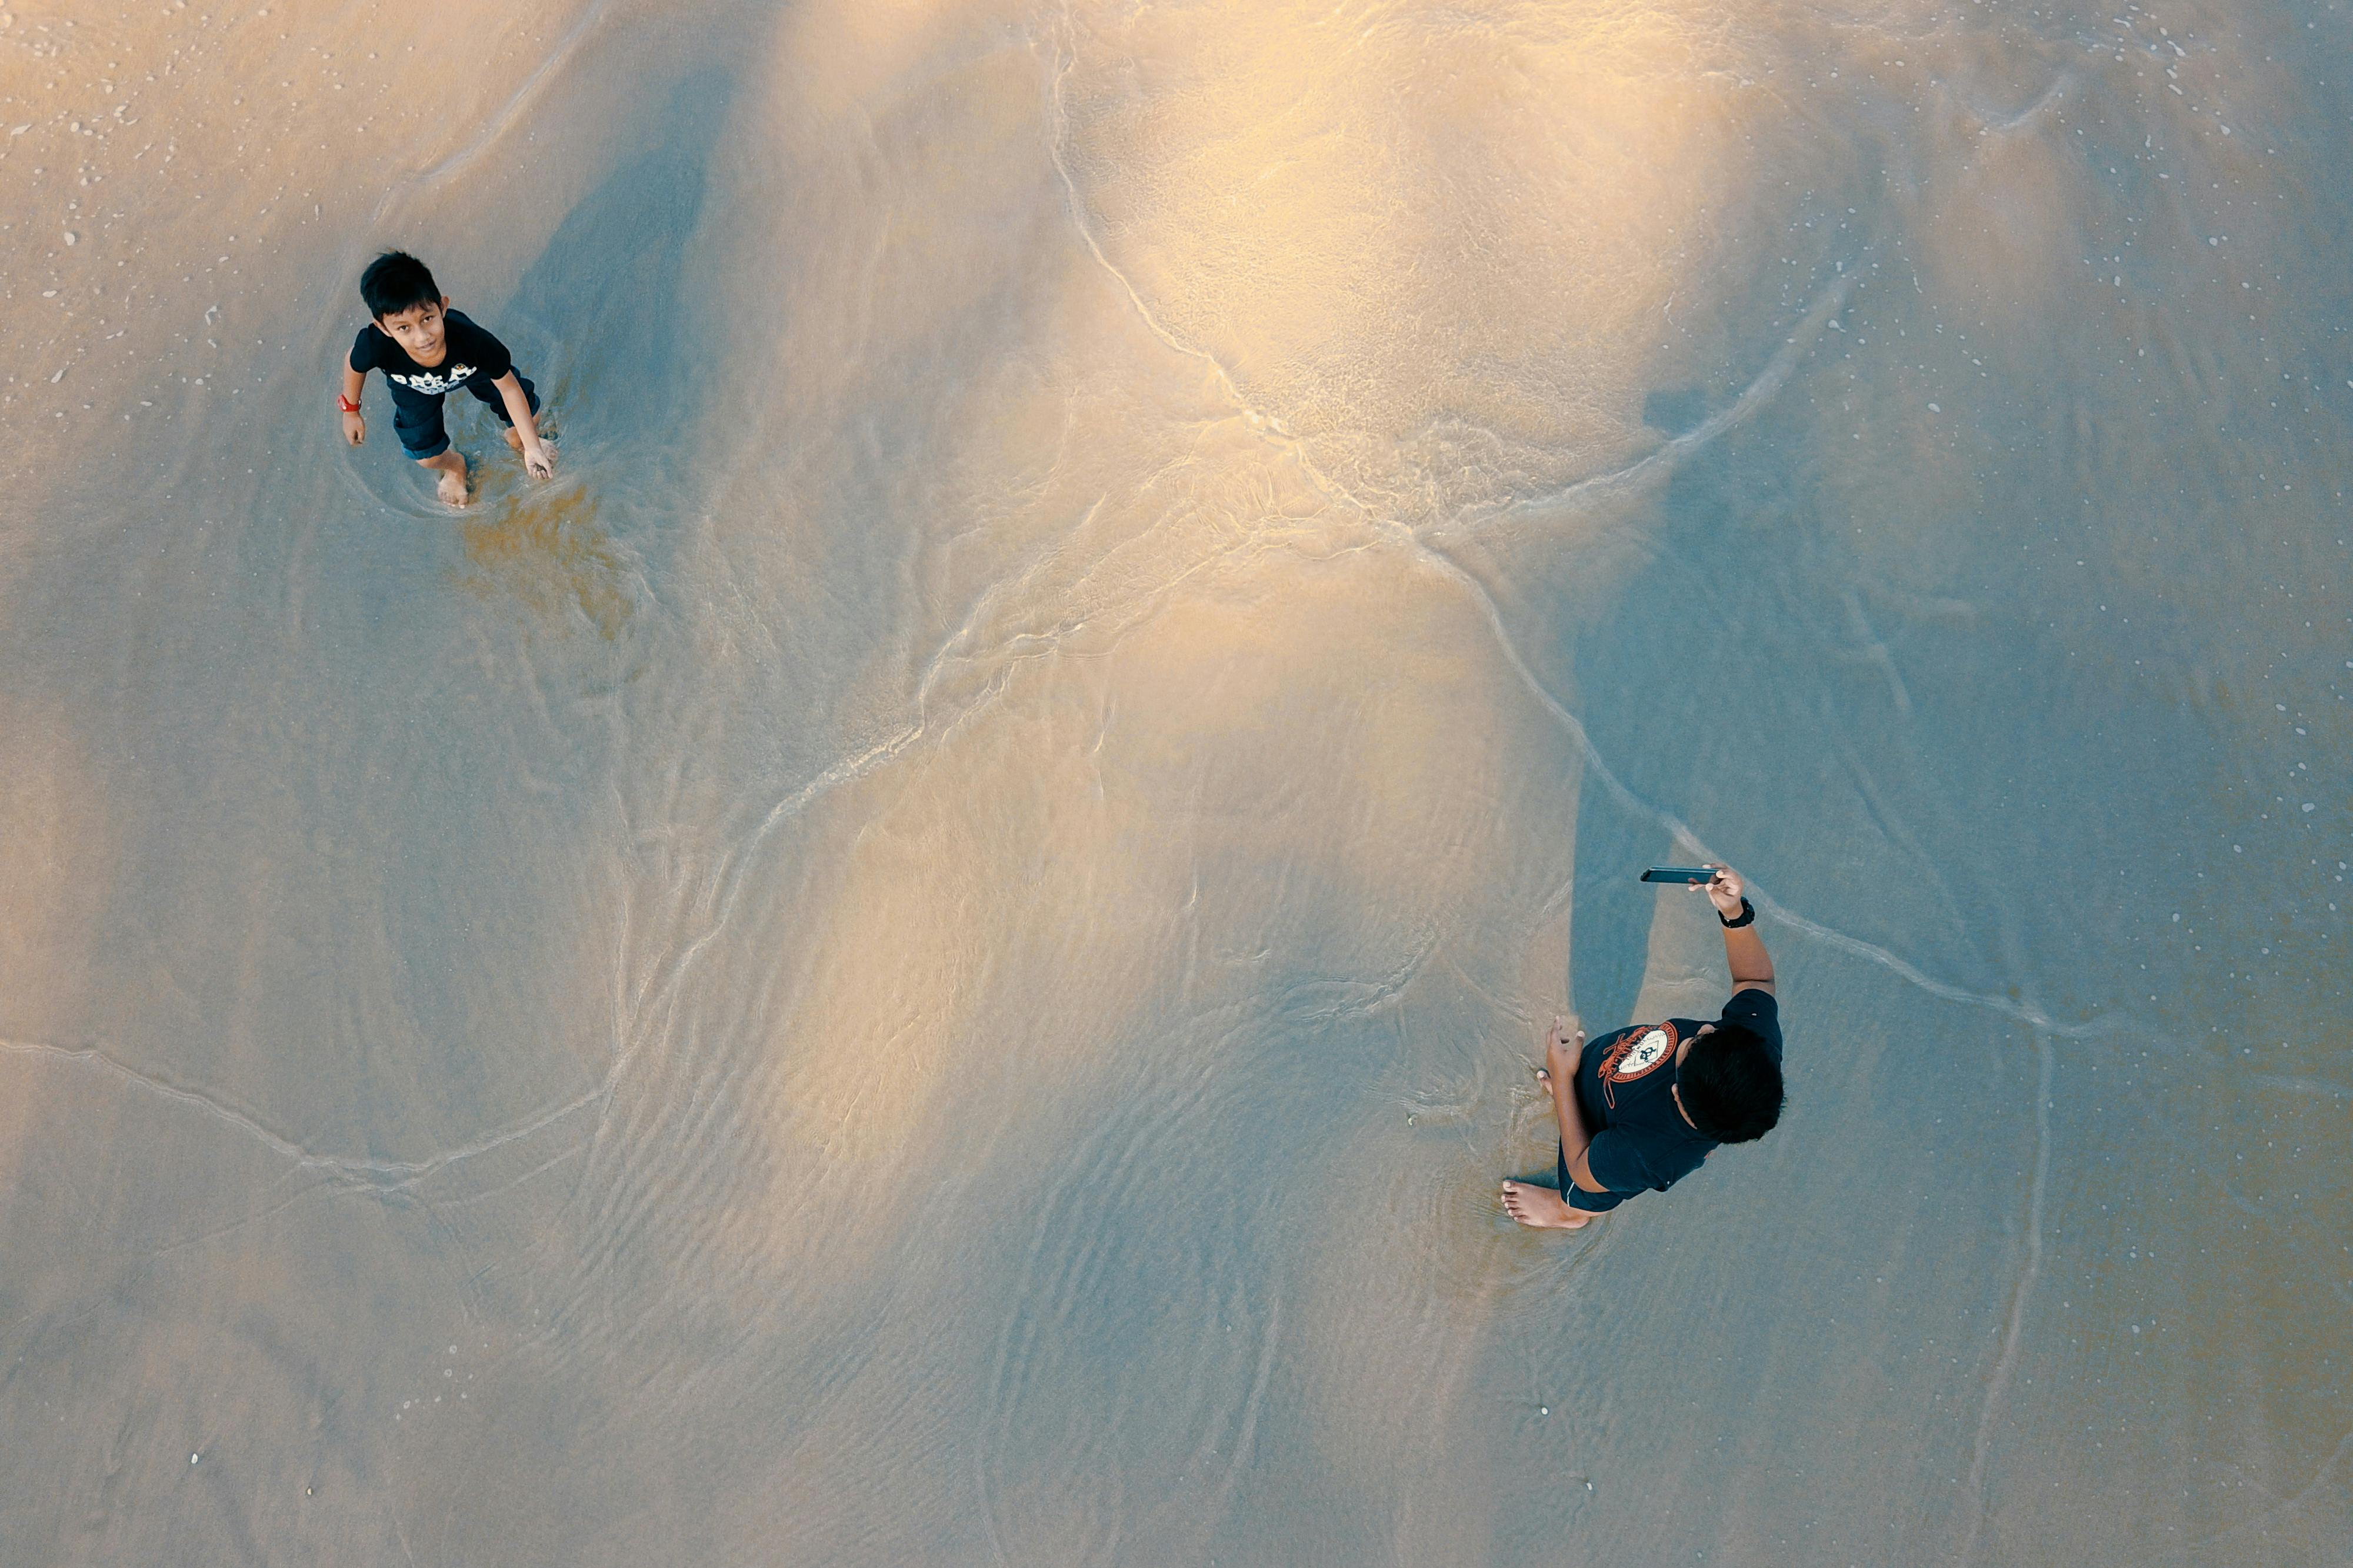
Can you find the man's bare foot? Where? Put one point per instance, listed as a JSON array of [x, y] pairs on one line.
[[1541, 1208]]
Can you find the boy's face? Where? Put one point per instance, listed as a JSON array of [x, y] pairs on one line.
[[420, 329]]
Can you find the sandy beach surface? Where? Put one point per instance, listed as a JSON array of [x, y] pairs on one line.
[[932, 954]]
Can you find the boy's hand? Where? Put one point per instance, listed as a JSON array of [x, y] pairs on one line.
[[539, 460], [354, 428]]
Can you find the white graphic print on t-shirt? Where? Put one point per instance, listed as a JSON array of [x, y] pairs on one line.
[[433, 383], [1644, 1047]]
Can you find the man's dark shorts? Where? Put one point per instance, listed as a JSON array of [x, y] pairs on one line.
[[1578, 1198], [421, 432]]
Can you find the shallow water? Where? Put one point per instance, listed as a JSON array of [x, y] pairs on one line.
[[932, 956]]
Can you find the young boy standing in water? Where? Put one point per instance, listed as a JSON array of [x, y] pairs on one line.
[[427, 351], [1643, 1107]]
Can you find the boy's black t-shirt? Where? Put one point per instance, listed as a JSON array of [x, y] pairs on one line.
[[471, 359], [1640, 1139]]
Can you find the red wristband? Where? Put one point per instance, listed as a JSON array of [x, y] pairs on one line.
[[347, 405]]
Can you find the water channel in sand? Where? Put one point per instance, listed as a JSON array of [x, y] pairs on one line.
[[932, 956]]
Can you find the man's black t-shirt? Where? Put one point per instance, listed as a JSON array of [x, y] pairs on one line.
[[472, 358], [1623, 1081]]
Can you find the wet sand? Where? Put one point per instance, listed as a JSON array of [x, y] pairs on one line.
[[933, 954]]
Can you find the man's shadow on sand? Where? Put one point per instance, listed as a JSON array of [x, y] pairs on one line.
[[1609, 922]]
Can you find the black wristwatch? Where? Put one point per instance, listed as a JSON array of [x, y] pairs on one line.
[[1747, 916]]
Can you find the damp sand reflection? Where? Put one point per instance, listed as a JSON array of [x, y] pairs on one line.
[[541, 549]]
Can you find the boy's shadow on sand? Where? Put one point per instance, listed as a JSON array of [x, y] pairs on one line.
[[604, 306], [602, 317]]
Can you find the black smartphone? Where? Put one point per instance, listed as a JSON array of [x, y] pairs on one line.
[[1680, 874]]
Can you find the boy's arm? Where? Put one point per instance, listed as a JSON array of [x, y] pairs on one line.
[[535, 455], [355, 381]]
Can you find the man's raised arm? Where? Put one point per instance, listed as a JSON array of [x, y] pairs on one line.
[[1743, 950]]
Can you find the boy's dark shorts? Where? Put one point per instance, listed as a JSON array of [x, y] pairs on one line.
[[419, 426], [1578, 1198]]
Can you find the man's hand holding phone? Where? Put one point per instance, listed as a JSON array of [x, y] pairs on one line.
[[1724, 885], [1726, 891]]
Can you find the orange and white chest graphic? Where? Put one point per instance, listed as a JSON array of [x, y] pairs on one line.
[[1638, 1053]]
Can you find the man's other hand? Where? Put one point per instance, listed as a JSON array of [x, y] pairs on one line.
[[1562, 1045]]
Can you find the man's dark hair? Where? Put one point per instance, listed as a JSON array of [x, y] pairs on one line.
[[397, 281], [1731, 1086]]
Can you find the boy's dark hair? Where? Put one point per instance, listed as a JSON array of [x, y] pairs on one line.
[[1731, 1085], [397, 281]]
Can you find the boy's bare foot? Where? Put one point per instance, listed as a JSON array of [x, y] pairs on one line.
[[1541, 1208], [450, 464], [514, 440]]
